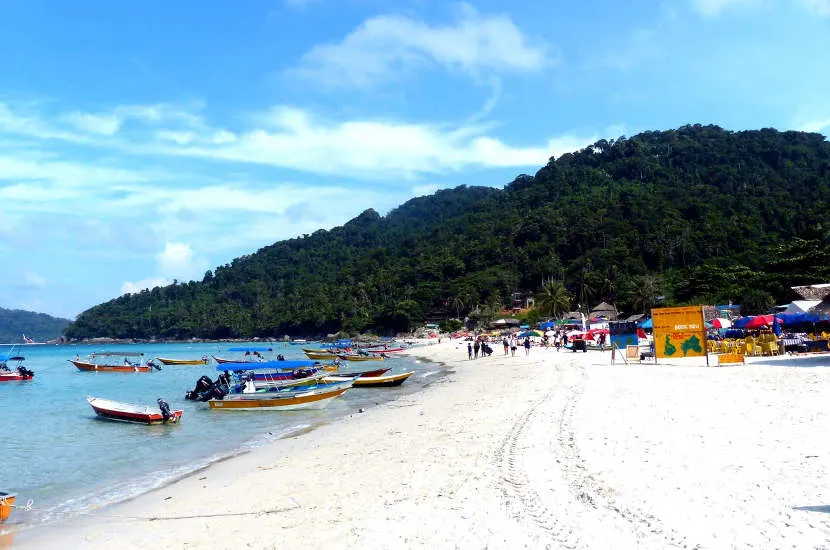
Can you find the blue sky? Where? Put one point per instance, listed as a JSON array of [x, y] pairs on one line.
[[142, 142]]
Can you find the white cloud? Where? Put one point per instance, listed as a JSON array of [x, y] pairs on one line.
[[373, 148], [33, 280], [138, 286], [815, 125], [713, 8], [106, 125], [176, 260], [386, 44], [819, 7], [180, 137]]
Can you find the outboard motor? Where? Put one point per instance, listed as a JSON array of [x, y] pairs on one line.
[[25, 373], [280, 357], [151, 363], [215, 392], [203, 384], [165, 409]]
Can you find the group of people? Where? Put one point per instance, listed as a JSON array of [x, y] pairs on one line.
[[511, 344]]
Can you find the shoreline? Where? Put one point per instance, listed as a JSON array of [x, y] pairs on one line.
[[550, 449]]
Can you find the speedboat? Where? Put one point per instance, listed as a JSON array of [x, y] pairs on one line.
[[135, 414]]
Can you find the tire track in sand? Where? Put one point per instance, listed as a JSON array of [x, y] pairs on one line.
[[519, 496], [598, 497]]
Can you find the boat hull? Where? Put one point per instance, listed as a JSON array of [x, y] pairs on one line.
[[93, 367], [133, 414], [361, 357], [377, 381], [320, 356], [14, 376], [6, 505], [168, 361], [301, 401]]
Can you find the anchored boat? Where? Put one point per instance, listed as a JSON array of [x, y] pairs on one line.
[[168, 361], [249, 355], [16, 373], [135, 414], [316, 398], [132, 362], [375, 381]]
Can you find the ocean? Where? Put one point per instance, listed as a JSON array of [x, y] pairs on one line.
[[61, 457]]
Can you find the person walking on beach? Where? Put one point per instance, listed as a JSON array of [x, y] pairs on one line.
[[527, 345], [514, 343], [476, 347], [506, 344], [469, 350]]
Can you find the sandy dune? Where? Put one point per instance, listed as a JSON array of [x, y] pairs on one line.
[[554, 450]]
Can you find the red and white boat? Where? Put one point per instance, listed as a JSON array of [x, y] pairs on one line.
[[136, 414], [132, 362], [17, 373]]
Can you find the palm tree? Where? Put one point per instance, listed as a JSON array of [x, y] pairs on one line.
[[645, 292], [553, 299]]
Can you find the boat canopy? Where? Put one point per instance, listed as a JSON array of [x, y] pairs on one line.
[[250, 349], [265, 365], [116, 354]]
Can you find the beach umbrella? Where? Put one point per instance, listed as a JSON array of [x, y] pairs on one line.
[[549, 324], [549, 333], [721, 323], [529, 333]]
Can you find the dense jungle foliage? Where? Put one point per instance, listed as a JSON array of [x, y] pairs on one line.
[[14, 323], [687, 216]]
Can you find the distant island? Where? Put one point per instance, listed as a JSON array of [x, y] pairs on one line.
[[694, 215], [39, 327]]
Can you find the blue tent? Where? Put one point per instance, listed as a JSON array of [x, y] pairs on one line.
[[648, 323], [790, 319], [549, 324]]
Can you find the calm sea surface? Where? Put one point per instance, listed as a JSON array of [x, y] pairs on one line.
[[59, 455]]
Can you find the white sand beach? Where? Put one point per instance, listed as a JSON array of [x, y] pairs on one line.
[[554, 450]]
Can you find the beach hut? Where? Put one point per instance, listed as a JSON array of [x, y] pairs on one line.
[[604, 310]]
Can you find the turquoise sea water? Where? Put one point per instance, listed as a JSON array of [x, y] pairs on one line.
[[59, 455]]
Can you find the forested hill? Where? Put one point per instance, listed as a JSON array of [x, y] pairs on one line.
[[694, 215], [14, 323]]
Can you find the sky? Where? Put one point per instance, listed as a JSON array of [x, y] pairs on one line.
[[147, 142]]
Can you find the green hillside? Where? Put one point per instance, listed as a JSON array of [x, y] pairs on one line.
[[14, 323], [693, 215]]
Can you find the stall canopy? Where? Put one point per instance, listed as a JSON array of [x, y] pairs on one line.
[[756, 321], [648, 323], [721, 323]]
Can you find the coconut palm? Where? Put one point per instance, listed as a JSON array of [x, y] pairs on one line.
[[553, 299]]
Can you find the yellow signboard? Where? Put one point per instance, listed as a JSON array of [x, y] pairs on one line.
[[679, 332]]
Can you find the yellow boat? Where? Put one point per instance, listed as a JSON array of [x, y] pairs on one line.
[[320, 356], [374, 381], [167, 361], [361, 357]]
